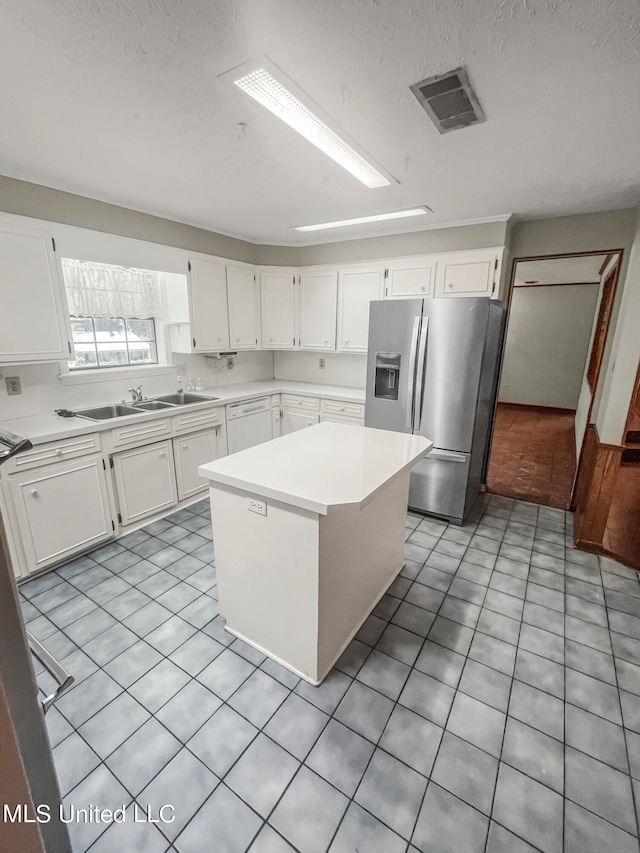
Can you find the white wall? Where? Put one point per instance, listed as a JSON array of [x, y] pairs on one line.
[[349, 369], [584, 401], [247, 367], [547, 342], [42, 391], [619, 380]]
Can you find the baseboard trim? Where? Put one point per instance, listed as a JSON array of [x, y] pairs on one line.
[[542, 410]]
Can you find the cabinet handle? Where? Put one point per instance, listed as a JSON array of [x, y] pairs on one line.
[[342, 408], [35, 492], [299, 402], [237, 340], [326, 340], [59, 452], [163, 453], [270, 340], [220, 339], [449, 285], [347, 341]]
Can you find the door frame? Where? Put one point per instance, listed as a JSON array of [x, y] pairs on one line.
[[611, 297]]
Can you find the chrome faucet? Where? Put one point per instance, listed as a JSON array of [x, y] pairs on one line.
[[136, 394]]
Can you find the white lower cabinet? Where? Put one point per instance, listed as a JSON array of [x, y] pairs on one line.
[[145, 481], [191, 451], [298, 412], [61, 509], [293, 420]]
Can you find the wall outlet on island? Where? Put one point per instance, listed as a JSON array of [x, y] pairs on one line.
[[321, 363], [257, 506]]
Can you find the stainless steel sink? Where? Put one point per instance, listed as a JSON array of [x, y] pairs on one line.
[[152, 405], [104, 413], [181, 399]]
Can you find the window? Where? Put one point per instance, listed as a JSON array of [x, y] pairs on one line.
[[113, 342], [113, 313]]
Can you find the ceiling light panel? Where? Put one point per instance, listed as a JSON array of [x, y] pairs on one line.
[[380, 217], [263, 87]]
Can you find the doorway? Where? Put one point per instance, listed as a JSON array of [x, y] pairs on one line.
[[559, 314]]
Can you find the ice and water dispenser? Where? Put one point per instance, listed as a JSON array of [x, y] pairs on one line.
[[387, 375]]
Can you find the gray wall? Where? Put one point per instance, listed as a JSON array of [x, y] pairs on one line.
[[584, 232], [547, 342], [479, 236], [25, 199]]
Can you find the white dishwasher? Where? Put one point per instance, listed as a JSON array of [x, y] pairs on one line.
[[249, 423]]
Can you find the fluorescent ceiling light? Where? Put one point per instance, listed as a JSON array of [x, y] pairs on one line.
[[398, 214], [265, 89]]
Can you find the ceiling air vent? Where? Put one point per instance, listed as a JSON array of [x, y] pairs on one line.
[[449, 100]]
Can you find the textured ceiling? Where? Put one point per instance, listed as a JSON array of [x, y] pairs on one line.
[[119, 100]]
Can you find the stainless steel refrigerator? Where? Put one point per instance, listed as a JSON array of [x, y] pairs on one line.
[[432, 369]]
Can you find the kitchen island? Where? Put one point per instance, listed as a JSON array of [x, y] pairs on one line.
[[309, 533]]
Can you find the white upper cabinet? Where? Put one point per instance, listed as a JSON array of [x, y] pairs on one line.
[[356, 289], [278, 303], [407, 277], [208, 306], [244, 308], [317, 301], [474, 273], [34, 325]]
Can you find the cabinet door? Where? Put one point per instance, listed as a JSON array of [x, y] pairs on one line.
[[275, 423], [145, 481], [242, 296], [467, 274], [34, 325], [278, 304], [292, 421], [190, 452], [61, 510], [356, 289], [208, 306], [318, 297], [410, 277]]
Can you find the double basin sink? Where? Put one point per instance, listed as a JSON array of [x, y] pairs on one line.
[[121, 410]]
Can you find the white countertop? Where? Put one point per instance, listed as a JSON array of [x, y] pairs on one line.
[[50, 427], [324, 465]]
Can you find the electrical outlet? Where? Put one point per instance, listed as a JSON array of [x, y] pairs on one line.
[[13, 385], [257, 506], [321, 363]]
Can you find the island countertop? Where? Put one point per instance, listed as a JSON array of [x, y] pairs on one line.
[[324, 465]]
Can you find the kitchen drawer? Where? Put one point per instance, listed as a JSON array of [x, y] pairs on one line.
[[337, 407], [140, 432], [55, 451], [311, 404], [200, 419], [340, 419]]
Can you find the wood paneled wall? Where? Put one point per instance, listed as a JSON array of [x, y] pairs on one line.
[[595, 483]]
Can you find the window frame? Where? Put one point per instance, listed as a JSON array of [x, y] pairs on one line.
[[121, 365]]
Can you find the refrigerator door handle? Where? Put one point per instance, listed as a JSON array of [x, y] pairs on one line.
[[411, 374], [446, 456], [422, 370]]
